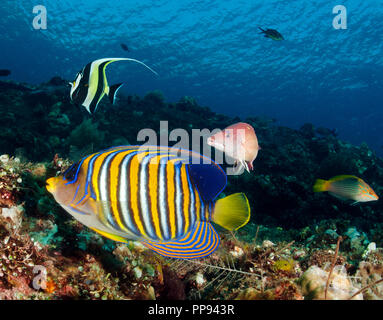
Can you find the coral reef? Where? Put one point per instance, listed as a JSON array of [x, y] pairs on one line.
[[288, 251]]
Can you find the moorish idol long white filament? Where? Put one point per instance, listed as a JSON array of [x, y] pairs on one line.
[[91, 84]]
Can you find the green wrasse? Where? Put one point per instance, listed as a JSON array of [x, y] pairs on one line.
[[161, 197], [346, 187]]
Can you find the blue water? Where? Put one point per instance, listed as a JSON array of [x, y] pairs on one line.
[[212, 50]]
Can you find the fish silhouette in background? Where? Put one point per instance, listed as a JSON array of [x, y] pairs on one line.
[[124, 47], [5, 72], [272, 34]]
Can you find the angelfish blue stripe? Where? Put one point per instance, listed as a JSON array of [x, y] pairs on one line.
[[88, 176], [75, 195], [192, 211], [78, 169], [179, 205]]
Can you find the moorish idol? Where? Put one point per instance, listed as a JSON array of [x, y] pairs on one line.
[[91, 84]]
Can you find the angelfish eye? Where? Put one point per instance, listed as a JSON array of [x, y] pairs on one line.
[[71, 174]]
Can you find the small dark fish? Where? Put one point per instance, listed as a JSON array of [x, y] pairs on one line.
[[5, 72], [124, 47], [272, 34]]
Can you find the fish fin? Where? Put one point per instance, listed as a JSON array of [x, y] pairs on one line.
[[250, 166], [338, 196], [238, 167], [262, 30], [113, 91], [209, 178], [320, 185], [355, 203], [130, 59], [111, 236], [88, 213], [232, 212], [199, 242], [245, 164]]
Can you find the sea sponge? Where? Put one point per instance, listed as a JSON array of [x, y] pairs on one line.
[[11, 218], [313, 283]]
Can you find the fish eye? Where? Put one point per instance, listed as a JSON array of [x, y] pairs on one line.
[[70, 175]]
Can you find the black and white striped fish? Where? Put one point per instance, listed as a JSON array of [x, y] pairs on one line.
[[163, 198], [91, 84]]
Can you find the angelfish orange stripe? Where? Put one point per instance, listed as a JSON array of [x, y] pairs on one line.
[[153, 192], [133, 179]]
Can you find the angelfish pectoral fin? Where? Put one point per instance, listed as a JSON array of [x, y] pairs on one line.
[[200, 242], [113, 92], [111, 236]]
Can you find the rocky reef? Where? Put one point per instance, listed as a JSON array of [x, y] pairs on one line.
[[298, 244]]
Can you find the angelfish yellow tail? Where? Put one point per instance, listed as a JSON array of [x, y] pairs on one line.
[[320, 185], [232, 212]]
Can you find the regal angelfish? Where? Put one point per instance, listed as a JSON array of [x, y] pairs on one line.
[[163, 197], [91, 84]]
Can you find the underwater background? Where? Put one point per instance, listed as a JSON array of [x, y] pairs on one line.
[[314, 100], [213, 52]]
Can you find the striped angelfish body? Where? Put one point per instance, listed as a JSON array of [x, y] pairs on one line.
[[148, 194], [90, 84]]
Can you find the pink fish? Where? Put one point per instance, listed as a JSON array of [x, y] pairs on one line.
[[238, 141]]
